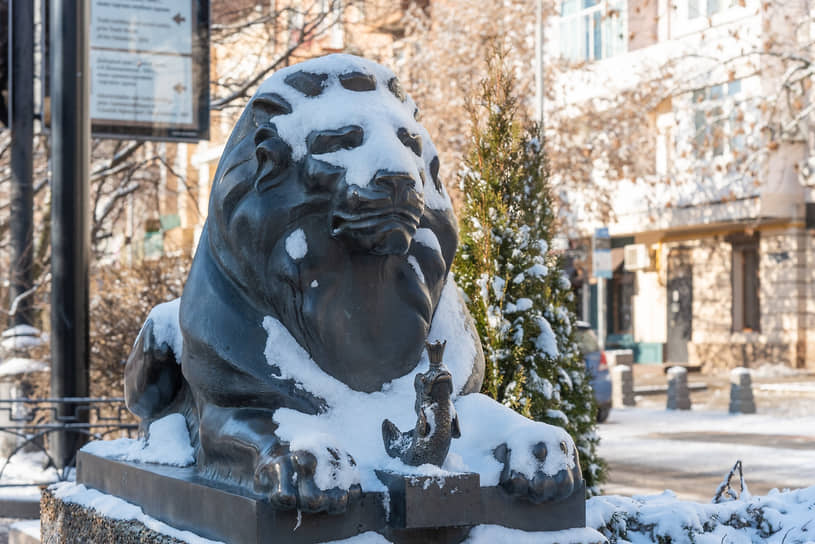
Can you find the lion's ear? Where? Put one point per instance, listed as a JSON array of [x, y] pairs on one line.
[[273, 156], [267, 105]]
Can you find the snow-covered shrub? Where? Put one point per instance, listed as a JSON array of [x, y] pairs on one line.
[[519, 297], [777, 518]]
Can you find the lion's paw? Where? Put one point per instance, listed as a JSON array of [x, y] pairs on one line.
[[289, 482], [541, 486]]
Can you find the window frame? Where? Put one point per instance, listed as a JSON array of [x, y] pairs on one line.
[[730, 11], [585, 21], [730, 125]]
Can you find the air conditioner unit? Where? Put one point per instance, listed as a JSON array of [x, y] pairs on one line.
[[637, 257]]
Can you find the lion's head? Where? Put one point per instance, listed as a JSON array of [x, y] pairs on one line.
[[327, 212]]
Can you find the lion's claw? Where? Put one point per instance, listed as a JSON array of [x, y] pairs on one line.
[[541, 487], [288, 480]]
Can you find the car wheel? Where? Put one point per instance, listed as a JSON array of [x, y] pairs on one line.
[[602, 414]]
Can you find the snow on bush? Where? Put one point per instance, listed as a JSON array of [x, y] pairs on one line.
[[778, 518]]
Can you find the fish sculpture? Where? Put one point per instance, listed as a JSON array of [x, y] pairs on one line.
[[436, 418]]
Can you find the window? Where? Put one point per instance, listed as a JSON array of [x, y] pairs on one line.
[[592, 29], [746, 313], [707, 8], [717, 120]]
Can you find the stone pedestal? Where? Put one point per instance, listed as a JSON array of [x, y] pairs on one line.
[[67, 522], [416, 509], [678, 393], [741, 392], [622, 386]]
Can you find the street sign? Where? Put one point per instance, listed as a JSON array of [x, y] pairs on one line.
[[601, 254], [149, 67]]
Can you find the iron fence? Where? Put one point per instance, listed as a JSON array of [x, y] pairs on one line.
[[30, 421]]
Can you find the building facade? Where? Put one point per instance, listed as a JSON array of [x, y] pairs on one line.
[[712, 249]]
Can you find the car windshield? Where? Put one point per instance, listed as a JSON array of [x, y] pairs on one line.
[[587, 341]]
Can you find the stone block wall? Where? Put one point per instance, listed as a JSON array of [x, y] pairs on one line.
[[786, 302], [712, 292]]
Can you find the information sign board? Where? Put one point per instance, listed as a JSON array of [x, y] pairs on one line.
[[149, 68], [601, 254]]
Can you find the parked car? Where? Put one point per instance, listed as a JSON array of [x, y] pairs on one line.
[[597, 367]]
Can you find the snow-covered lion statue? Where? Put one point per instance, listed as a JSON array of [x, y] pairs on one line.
[[322, 269]]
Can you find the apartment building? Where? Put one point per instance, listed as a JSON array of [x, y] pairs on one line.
[[712, 247]]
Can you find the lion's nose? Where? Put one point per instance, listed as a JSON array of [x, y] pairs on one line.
[[396, 183]]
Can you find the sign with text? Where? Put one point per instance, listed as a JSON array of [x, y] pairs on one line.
[[149, 66], [601, 254]]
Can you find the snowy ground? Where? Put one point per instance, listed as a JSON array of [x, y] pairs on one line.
[[25, 468], [650, 449]]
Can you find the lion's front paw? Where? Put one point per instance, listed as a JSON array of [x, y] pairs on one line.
[[541, 487], [288, 480]]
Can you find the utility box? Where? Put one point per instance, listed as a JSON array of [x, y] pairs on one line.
[[637, 257]]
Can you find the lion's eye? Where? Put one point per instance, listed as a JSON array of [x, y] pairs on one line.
[[328, 141], [413, 141]]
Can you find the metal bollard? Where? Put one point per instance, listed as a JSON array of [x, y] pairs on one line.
[[678, 393], [741, 392], [622, 386]]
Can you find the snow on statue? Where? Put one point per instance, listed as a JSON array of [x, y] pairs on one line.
[[323, 268]]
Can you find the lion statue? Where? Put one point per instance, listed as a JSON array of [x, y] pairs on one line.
[[327, 247]]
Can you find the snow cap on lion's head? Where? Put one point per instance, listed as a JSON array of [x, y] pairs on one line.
[[281, 128]]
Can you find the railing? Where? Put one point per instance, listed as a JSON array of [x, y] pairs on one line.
[[32, 420]]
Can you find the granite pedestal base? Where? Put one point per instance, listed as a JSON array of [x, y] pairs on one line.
[[416, 509], [63, 522]]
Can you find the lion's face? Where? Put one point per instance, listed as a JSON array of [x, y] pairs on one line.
[[327, 211]]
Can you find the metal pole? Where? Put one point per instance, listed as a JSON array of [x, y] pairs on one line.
[[21, 87], [539, 63], [70, 238], [601, 312]]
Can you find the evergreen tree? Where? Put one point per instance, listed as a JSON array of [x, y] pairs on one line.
[[520, 299]]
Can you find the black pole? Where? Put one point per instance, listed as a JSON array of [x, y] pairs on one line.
[[70, 238], [21, 90]]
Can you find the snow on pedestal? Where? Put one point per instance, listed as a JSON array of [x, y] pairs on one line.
[[167, 443]]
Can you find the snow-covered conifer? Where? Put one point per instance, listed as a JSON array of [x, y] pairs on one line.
[[518, 295]]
